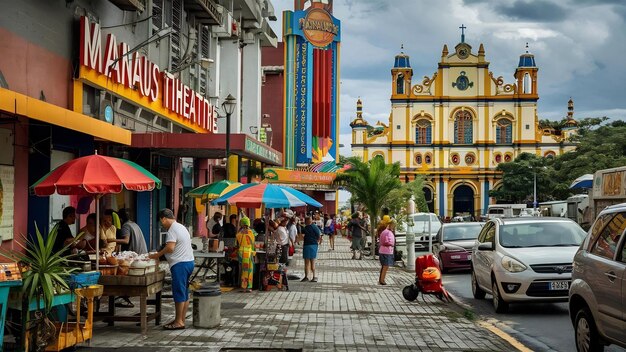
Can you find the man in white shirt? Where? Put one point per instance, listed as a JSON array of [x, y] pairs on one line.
[[179, 255]]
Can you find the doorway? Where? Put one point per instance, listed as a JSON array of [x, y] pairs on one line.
[[463, 201], [430, 201]]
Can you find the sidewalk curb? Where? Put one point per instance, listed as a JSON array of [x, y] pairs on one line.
[[515, 343]]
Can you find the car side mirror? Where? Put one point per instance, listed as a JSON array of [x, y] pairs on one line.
[[487, 246]]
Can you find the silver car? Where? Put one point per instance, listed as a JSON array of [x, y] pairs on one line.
[[524, 259], [597, 297]]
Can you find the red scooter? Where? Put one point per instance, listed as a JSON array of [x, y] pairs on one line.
[[427, 280]]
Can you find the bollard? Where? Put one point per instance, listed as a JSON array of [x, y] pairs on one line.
[[410, 250]]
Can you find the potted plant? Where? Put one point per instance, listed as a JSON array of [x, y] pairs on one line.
[[44, 276]]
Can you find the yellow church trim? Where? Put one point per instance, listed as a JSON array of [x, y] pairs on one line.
[[406, 125]]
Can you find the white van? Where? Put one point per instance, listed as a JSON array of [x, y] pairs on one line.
[[504, 210]]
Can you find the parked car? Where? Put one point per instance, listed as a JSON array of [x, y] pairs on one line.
[[418, 225], [524, 259], [598, 292], [453, 244]]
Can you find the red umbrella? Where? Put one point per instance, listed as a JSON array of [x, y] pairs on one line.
[[96, 175]]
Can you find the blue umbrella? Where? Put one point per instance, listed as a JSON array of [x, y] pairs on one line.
[[584, 181], [257, 195]]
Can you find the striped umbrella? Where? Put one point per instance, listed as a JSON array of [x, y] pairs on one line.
[[257, 195], [213, 190]]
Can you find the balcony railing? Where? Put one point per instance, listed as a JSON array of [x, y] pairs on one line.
[[205, 11]]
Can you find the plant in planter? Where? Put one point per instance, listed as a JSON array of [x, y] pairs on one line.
[[44, 277]]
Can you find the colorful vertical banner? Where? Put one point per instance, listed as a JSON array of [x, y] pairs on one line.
[[311, 102], [302, 116]]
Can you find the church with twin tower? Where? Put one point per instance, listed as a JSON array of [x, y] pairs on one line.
[[457, 124]]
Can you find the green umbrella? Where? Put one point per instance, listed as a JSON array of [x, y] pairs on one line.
[[212, 190]]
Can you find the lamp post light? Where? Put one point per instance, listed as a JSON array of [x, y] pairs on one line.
[[535, 192], [229, 105]]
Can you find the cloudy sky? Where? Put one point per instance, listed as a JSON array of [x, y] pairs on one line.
[[579, 47]]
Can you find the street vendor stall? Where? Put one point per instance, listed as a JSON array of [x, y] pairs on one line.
[[134, 286], [211, 261], [267, 196], [96, 175]]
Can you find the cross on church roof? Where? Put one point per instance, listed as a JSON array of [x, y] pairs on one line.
[[463, 28]]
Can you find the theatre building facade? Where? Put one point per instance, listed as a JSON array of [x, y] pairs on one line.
[[140, 80], [456, 125]]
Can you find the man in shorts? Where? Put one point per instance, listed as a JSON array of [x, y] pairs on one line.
[[179, 255]]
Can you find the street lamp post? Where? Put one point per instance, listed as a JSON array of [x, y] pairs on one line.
[[228, 105], [535, 192]]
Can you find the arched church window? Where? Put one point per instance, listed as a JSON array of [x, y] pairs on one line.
[[504, 131], [400, 84], [527, 84], [463, 133], [423, 132]]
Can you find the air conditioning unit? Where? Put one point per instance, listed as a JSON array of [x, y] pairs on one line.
[[225, 29]]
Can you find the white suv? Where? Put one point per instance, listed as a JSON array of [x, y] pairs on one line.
[[524, 259], [597, 296]]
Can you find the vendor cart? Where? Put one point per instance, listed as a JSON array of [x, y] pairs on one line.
[[133, 286], [70, 334]]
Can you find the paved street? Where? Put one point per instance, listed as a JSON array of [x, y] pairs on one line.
[[345, 310], [540, 326]]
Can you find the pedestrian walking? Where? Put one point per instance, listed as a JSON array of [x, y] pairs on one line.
[[329, 230], [312, 239], [245, 253], [179, 255], [387, 242], [358, 232]]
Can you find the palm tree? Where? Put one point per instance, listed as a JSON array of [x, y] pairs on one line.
[[370, 184]]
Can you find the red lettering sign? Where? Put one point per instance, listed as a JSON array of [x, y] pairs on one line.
[[137, 72]]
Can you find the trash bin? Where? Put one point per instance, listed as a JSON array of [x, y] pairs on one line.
[[206, 306]]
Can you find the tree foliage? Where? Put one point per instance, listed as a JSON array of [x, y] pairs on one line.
[[371, 183], [599, 145]]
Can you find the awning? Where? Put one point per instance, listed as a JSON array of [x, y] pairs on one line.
[[22, 105], [205, 145]]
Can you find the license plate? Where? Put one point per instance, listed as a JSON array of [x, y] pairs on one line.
[[455, 257], [559, 285]]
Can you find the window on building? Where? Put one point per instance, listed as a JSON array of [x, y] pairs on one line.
[[204, 53], [527, 84], [423, 132], [400, 84], [157, 16], [463, 133], [504, 131], [177, 28]]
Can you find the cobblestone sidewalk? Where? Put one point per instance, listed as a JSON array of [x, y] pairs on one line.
[[345, 311]]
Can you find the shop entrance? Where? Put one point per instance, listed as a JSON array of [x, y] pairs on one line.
[[463, 201]]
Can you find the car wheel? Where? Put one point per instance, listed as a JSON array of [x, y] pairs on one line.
[[498, 303], [476, 290], [585, 332]]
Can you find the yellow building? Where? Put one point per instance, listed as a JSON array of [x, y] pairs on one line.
[[456, 125]]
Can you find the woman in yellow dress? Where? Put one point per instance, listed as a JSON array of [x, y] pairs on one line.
[[245, 252]]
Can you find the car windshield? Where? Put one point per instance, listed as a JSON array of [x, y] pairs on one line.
[[460, 233], [541, 234], [420, 224]]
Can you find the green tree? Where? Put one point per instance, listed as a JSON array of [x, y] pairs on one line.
[[518, 179], [599, 146], [417, 191], [371, 184]]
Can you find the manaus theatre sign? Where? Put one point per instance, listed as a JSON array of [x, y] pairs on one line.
[[318, 27]]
